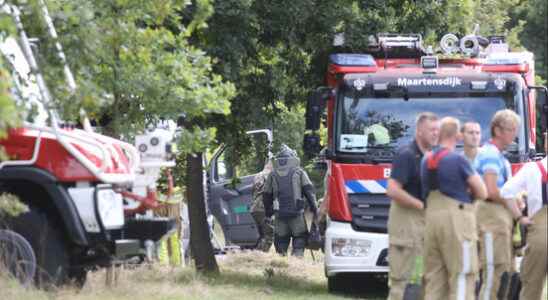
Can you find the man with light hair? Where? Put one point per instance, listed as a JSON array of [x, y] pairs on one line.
[[406, 215], [450, 185], [471, 139], [494, 218]]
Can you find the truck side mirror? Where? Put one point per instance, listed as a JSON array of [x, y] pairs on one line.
[[541, 114], [311, 144], [315, 107], [542, 101], [181, 120]]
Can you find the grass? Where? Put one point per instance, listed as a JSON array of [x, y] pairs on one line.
[[244, 275]]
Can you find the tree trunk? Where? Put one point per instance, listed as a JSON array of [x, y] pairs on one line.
[[200, 241]]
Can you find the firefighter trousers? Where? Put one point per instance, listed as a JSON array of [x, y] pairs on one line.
[[450, 250], [534, 267], [495, 239], [405, 235]]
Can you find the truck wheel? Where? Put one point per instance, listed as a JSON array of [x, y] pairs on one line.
[[336, 284], [48, 244], [17, 256], [78, 276]]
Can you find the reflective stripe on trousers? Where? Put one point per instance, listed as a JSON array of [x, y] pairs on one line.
[[489, 259], [461, 285]]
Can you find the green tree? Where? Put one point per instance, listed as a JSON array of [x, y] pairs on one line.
[[275, 52], [535, 33], [8, 109], [134, 66]]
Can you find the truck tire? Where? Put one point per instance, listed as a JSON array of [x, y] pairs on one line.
[[336, 284], [50, 248], [17, 256]]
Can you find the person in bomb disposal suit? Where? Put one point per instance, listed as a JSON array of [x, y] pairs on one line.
[[450, 251], [283, 195], [406, 216]]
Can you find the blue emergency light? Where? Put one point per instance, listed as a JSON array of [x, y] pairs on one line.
[[349, 59]]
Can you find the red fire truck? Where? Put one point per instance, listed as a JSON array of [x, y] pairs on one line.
[[372, 101], [72, 180]]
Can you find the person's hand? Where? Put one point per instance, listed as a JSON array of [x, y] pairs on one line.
[[520, 200], [268, 221], [526, 221], [419, 205]]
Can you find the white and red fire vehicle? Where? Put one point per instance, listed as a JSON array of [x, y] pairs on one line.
[[372, 101], [72, 180]]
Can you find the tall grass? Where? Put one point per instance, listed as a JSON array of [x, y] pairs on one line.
[[245, 275]]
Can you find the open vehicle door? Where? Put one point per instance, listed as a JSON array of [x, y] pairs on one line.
[[229, 195]]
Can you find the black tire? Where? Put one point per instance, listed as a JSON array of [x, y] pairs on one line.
[[53, 261], [336, 284], [372, 285], [17, 256]]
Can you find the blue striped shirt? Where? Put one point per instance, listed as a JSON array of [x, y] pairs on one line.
[[491, 160]]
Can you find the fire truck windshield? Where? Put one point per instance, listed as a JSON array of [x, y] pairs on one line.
[[368, 124]]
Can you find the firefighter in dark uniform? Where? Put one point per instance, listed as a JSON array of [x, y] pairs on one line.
[[284, 190], [450, 250], [406, 215]]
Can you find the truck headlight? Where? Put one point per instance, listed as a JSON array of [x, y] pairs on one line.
[[350, 247], [110, 208]]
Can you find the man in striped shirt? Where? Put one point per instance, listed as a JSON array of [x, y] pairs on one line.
[[494, 218]]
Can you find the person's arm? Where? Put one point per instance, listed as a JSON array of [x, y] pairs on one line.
[[268, 197], [512, 188], [399, 176], [493, 191], [478, 189], [309, 192], [475, 184], [396, 192]]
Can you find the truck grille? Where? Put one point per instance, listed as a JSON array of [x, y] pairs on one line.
[[369, 212]]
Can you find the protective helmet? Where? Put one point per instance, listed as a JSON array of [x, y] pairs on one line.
[[285, 151], [285, 160]]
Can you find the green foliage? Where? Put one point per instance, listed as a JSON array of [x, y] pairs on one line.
[[8, 109], [276, 52], [11, 206], [535, 32], [133, 65]]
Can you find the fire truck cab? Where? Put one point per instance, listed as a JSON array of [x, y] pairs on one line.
[[372, 101]]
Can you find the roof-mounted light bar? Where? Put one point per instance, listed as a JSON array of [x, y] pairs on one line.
[[429, 63], [508, 58], [348, 59], [390, 40]]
